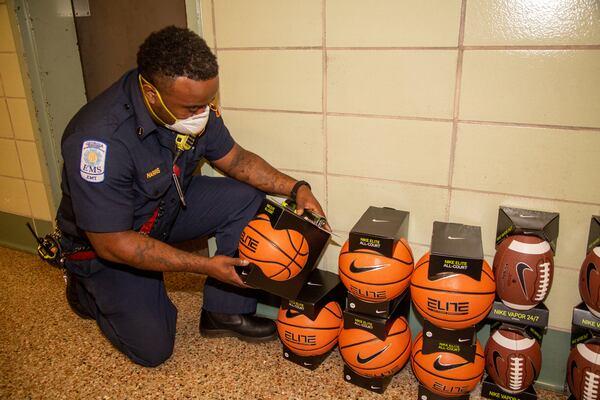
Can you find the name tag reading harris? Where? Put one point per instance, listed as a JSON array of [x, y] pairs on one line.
[[93, 158]]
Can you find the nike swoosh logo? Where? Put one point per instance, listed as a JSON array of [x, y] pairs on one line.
[[455, 238], [379, 311], [571, 369], [358, 270], [591, 267], [521, 267], [462, 340], [526, 216], [372, 356], [379, 220], [496, 356], [444, 367], [291, 314], [313, 284], [305, 363], [375, 387]]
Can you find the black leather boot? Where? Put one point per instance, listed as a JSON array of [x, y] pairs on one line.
[[243, 326], [73, 297]]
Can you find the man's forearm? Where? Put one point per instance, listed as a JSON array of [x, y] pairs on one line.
[[250, 168], [144, 252]]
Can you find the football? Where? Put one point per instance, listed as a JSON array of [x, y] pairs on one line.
[[523, 268], [512, 360], [589, 281], [583, 371]]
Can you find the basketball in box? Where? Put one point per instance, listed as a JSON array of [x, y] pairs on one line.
[[283, 249], [376, 262], [382, 310], [320, 288], [524, 260], [453, 287]]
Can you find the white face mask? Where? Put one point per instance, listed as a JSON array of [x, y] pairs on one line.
[[193, 125]]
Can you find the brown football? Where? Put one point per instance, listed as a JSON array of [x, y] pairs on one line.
[[523, 268], [512, 360]]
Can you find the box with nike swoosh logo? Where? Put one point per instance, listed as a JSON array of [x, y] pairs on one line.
[[537, 316], [458, 341], [518, 221], [456, 248], [378, 326], [374, 384], [379, 228], [281, 219], [585, 325], [320, 288]]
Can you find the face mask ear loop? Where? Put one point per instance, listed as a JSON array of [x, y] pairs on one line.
[[143, 81]]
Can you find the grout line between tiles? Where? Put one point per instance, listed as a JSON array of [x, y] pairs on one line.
[[456, 105], [395, 48]]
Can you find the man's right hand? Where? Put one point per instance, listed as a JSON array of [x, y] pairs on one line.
[[223, 269]]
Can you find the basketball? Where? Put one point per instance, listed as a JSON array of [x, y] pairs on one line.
[[513, 360], [280, 254], [369, 356], [523, 267], [583, 371], [306, 337], [446, 374], [450, 300], [372, 277], [589, 281]]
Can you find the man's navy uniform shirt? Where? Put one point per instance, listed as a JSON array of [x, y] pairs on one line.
[[118, 164]]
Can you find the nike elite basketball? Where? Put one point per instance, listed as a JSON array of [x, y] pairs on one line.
[[307, 337], [513, 360], [446, 374], [369, 356], [583, 371], [450, 300], [280, 254], [589, 281], [523, 267], [372, 277]]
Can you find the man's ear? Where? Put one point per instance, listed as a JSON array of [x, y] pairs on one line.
[[150, 94]]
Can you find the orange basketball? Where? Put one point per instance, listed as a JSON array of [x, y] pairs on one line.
[[370, 276], [367, 355], [452, 301], [306, 337], [444, 373], [280, 254]]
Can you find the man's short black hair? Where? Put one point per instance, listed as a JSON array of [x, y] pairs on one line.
[[173, 52]]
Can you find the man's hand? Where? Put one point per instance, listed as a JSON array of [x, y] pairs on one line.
[[223, 269], [305, 200]]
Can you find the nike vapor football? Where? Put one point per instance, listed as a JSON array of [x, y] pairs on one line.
[[583, 370], [523, 267], [589, 281], [512, 360]]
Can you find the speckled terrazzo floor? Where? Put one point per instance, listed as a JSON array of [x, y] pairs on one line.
[[48, 352]]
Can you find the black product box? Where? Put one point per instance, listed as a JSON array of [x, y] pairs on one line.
[[282, 218], [426, 394], [536, 317], [517, 221], [378, 326], [585, 325], [456, 248], [461, 342], [374, 384], [594, 236], [378, 229], [308, 362], [381, 310], [490, 390], [320, 288]]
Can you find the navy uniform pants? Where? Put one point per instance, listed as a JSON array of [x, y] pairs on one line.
[[131, 306]]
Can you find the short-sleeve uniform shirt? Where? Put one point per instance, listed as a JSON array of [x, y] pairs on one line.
[[118, 164]]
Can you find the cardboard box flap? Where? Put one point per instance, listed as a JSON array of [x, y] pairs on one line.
[[518, 221], [456, 248]]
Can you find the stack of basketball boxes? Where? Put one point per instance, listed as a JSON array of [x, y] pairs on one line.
[[523, 269], [452, 288], [375, 265], [583, 365], [283, 249]]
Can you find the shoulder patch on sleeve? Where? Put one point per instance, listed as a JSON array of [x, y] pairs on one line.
[[93, 158]]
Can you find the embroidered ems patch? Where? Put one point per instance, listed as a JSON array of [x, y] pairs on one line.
[[93, 157]]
